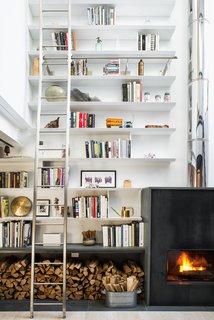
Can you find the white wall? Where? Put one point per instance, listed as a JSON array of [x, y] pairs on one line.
[[13, 54], [210, 49]]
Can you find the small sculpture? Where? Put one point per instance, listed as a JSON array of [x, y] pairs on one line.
[[77, 95], [128, 124], [7, 150], [127, 183], [53, 124], [57, 208]]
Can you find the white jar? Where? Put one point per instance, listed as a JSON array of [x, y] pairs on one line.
[[167, 97], [158, 98], [146, 97]]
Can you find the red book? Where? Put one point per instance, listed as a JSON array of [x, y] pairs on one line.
[[85, 118], [93, 204], [81, 120]]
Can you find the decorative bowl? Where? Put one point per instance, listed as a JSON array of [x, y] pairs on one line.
[[89, 242], [55, 94]]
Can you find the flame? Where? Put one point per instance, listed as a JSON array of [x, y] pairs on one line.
[[185, 264]]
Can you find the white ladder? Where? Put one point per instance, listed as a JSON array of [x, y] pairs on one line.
[[42, 134]]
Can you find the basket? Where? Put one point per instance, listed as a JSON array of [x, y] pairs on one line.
[[125, 299]]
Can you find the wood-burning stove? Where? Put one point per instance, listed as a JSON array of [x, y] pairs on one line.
[[179, 246]]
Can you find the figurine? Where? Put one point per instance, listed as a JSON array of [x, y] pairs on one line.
[[7, 150], [128, 124], [53, 124], [57, 207]]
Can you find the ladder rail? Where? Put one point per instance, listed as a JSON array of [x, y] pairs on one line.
[[37, 167], [36, 164], [67, 148]]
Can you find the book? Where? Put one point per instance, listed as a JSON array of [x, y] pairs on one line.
[[74, 44], [4, 206]]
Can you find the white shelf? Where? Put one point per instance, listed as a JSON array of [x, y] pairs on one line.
[[127, 32], [15, 219], [106, 106], [125, 161], [106, 219], [111, 54], [149, 7], [59, 219], [111, 131], [88, 190], [123, 131], [17, 160], [148, 81]]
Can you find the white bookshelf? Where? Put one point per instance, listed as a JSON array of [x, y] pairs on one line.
[[110, 106], [148, 81]]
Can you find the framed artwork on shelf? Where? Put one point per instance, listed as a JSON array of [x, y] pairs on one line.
[[43, 208], [98, 178]]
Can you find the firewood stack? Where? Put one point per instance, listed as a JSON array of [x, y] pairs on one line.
[[14, 279], [132, 269], [84, 279]]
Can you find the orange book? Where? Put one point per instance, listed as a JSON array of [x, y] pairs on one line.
[[74, 47]]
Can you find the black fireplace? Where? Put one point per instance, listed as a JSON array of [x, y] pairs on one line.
[[179, 248]]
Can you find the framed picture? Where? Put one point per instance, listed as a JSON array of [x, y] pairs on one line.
[[98, 179], [43, 208]]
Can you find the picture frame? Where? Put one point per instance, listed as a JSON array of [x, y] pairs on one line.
[[43, 208], [98, 178]]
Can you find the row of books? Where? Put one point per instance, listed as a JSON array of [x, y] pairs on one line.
[[101, 15], [125, 235], [52, 177], [82, 120], [60, 40], [4, 206], [14, 179], [15, 234], [119, 148], [132, 91], [79, 67], [148, 42], [90, 207], [112, 68]]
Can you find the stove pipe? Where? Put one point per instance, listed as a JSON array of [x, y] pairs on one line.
[[198, 96]]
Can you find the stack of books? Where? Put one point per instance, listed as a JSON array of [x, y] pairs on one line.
[[79, 67], [82, 120], [112, 68], [125, 235], [90, 207], [101, 15], [60, 40], [15, 234], [148, 42], [119, 148], [14, 179], [52, 177], [132, 91]]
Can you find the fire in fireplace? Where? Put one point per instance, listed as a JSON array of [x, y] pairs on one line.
[[190, 265]]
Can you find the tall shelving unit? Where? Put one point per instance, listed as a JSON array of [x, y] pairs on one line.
[[119, 42]]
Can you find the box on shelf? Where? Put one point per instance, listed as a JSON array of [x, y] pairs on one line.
[[51, 239]]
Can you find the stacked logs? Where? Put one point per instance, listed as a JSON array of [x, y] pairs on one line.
[[15, 279], [83, 279]]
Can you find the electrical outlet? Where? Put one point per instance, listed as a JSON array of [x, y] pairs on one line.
[[75, 255]]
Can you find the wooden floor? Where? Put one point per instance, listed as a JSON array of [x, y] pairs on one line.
[[111, 315]]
